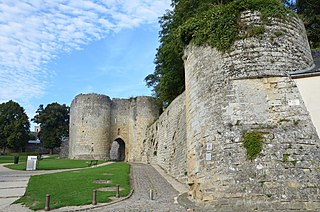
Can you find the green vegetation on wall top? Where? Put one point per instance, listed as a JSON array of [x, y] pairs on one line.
[[219, 26], [212, 22]]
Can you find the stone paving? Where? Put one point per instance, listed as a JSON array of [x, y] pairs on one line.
[[13, 185], [145, 177]]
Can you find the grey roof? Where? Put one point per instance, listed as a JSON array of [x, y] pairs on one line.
[[34, 141], [313, 71]]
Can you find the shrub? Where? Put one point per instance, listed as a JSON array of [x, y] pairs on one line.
[[252, 141]]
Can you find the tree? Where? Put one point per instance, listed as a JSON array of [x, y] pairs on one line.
[[309, 12], [14, 126], [32, 136], [54, 124], [168, 77], [204, 22]]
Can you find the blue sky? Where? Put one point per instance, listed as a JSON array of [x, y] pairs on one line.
[[50, 51]]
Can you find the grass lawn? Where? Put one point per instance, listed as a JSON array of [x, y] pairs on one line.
[[74, 188], [9, 158], [52, 163]]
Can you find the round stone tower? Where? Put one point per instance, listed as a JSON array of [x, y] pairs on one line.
[[247, 91], [90, 127]]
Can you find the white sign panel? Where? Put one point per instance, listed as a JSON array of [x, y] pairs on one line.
[[294, 102], [275, 102], [209, 146], [31, 163], [208, 156]]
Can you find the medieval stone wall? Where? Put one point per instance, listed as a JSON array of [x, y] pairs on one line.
[[166, 143], [146, 116], [129, 121], [248, 90], [281, 49], [89, 127], [121, 122], [96, 121], [199, 137]]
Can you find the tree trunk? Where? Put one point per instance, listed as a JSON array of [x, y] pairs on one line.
[[50, 151]]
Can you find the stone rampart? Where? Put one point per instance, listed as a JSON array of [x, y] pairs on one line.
[[283, 48], [89, 127], [130, 119], [243, 91], [165, 142], [200, 136], [96, 121]]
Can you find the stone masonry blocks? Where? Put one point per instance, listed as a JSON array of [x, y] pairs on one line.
[[198, 139], [96, 121], [248, 90], [89, 127]]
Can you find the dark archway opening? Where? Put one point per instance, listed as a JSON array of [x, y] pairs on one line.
[[117, 151]]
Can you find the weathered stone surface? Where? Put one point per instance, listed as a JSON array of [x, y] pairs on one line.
[[198, 139], [282, 48], [89, 127], [165, 143], [248, 90], [96, 121]]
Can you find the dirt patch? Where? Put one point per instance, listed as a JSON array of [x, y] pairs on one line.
[[107, 173], [102, 181], [35, 203], [113, 188]]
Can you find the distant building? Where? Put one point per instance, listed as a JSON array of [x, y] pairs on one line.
[[37, 129], [35, 145]]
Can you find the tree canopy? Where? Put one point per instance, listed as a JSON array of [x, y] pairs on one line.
[[214, 23], [14, 126], [54, 124], [309, 11], [168, 78]]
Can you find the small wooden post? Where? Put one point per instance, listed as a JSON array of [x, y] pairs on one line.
[[151, 194], [117, 191], [47, 207], [94, 197]]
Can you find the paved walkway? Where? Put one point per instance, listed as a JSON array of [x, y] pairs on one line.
[[144, 178], [13, 184]]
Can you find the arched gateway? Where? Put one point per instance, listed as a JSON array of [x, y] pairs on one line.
[[117, 151], [96, 120]]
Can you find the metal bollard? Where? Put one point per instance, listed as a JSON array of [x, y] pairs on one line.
[[47, 207], [94, 197], [151, 194], [117, 191]]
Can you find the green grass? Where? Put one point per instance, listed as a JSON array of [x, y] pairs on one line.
[[9, 158], [52, 163], [73, 188]]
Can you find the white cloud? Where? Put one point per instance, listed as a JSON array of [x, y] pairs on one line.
[[34, 32]]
